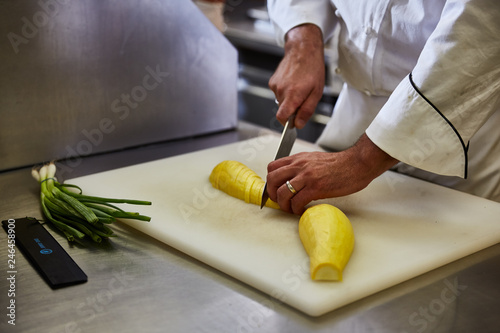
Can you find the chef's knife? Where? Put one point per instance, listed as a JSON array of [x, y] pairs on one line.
[[286, 143]]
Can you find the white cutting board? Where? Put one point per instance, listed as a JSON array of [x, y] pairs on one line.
[[403, 227]]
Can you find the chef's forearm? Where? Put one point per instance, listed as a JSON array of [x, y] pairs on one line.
[[287, 14], [375, 160], [305, 36]]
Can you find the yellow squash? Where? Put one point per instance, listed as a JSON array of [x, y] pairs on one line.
[[328, 239], [237, 180]]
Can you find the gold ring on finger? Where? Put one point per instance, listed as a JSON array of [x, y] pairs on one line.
[[290, 187]]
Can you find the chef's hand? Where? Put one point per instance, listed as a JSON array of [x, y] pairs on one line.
[[320, 175], [300, 77]]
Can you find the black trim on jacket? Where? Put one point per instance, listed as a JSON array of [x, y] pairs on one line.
[[465, 147]]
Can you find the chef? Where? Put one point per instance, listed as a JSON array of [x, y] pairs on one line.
[[421, 95]]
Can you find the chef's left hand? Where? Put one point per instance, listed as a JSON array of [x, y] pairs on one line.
[[320, 175]]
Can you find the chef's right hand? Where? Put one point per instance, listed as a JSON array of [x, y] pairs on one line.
[[300, 77]]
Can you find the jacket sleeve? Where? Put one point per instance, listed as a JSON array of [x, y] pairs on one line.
[[453, 89], [286, 14]]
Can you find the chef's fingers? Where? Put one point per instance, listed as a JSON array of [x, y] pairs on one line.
[[287, 107], [279, 163], [306, 110], [291, 93], [278, 177], [285, 194], [300, 200]]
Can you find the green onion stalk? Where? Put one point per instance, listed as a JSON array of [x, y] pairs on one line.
[[78, 215]]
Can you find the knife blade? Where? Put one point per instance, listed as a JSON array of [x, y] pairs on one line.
[[284, 148]]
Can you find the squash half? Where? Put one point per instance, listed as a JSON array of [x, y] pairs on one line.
[[328, 238]]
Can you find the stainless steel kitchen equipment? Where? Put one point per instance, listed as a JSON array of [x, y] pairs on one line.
[[85, 77]]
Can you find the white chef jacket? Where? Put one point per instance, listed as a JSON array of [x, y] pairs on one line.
[[421, 79]]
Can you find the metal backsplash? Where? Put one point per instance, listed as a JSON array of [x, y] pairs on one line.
[[83, 77]]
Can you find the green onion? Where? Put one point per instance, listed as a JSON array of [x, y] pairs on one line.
[[77, 215]]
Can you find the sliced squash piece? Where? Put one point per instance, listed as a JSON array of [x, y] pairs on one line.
[[239, 181]]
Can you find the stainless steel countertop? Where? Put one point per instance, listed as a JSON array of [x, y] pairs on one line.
[[137, 284]]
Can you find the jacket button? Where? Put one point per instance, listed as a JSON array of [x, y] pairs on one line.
[[369, 31]]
